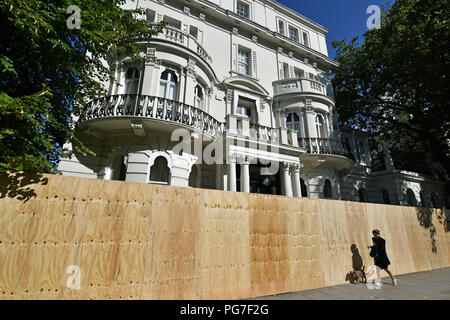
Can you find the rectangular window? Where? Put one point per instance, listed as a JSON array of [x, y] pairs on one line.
[[193, 31], [244, 111], [244, 61], [286, 70], [173, 22], [299, 73], [293, 33], [243, 9], [150, 16], [246, 107], [305, 39], [281, 27]]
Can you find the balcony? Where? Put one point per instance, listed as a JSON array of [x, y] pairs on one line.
[[149, 107], [241, 126], [325, 146], [186, 40], [299, 85]]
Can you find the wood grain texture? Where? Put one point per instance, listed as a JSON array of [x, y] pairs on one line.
[[139, 241]]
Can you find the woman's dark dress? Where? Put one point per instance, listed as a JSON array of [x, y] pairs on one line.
[[381, 258]]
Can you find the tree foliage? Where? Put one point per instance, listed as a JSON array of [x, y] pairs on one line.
[[395, 84], [47, 71]]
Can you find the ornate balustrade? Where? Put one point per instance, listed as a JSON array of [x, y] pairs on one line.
[[132, 105], [264, 133], [184, 39], [299, 85], [325, 146]]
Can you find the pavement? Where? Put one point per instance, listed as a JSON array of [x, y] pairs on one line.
[[428, 285]]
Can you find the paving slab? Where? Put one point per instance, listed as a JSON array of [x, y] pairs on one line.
[[428, 285]]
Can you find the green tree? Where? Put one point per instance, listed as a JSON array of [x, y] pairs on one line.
[[48, 70], [395, 84]]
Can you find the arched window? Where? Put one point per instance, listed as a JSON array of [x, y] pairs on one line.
[[362, 195], [303, 188], [132, 80], [118, 168], [320, 126], [199, 97], [435, 200], [411, 197], [327, 189], [293, 122], [385, 195], [168, 85], [160, 171]]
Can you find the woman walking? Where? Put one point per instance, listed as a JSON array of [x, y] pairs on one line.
[[381, 259]]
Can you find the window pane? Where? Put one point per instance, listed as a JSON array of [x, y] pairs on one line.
[[281, 27], [305, 39], [293, 34], [243, 9], [243, 58], [172, 92], [162, 89]]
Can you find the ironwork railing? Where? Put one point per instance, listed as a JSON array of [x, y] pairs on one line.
[[133, 105], [325, 146]]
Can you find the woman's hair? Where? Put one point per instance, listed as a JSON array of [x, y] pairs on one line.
[[376, 231]]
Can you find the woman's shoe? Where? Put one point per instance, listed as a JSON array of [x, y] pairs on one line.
[[394, 282]]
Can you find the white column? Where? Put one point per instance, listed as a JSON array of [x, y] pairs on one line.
[[245, 175], [231, 166], [190, 83], [286, 180], [295, 175], [225, 180], [311, 122]]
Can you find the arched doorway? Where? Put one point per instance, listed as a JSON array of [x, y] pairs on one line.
[[304, 188], [118, 168], [327, 190], [160, 171]]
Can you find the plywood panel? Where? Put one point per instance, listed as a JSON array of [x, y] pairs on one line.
[[139, 241]]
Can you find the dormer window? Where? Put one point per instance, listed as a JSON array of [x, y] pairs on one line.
[[243, 9]]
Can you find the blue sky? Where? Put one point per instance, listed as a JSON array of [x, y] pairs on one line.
[[344, 19]]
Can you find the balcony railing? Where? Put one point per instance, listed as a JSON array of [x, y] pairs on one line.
[[299, 85], [176, 35], [132, 105], [324, 146], [264, 133]]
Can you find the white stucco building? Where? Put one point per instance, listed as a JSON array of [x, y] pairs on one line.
[[249, 79]]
